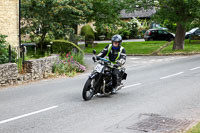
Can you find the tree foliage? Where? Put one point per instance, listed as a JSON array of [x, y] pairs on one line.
[[106, 11], [55, 18], [4, 53], [179, 12], [106, 15]]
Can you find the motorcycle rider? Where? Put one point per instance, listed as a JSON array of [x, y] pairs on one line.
[[117, 55]]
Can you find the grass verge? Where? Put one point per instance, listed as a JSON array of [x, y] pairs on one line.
[[189, 48], [149, 47], [195, 129], [137, 48]]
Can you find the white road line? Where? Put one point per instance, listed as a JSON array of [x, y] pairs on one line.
[[172, 75], [26, 115], [194, 68], [132, 85]]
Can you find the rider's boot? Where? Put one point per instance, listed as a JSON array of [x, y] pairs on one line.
[[120, 86], [114, 90]]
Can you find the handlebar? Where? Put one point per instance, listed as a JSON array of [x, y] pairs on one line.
[[105, 60], [97, 58]]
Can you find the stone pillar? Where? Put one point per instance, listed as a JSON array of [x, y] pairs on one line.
[[9, 20]]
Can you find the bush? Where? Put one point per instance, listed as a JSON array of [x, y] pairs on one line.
[[106, 29], [69, 65], [89, 37], [63, 46], [4, 55], [86, 29], [124, 33], [88, 32], [76, 38]]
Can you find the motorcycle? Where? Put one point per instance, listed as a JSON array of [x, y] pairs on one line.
[[100, 80]]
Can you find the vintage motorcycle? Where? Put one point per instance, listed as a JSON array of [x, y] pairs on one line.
[[100, 80]]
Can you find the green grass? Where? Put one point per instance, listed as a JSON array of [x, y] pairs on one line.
[[195, 129], [132, 47], [192, 47], [147, 48]]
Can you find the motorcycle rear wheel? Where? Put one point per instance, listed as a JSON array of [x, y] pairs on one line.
[[88, 90]]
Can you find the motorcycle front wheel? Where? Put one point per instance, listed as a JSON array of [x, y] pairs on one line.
[[88, 90]]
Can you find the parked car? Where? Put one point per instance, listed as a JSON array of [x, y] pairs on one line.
[[194, 31], [158, 34]]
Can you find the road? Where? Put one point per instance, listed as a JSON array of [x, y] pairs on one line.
[[159, 90]]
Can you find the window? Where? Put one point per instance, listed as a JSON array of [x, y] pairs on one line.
[[162, 32], [197, 31]]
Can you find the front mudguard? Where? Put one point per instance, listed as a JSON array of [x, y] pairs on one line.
[[93, 75], [97, 85]]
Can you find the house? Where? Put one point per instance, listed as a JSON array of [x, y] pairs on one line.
[[141, 14], [127, 16], [9, 20]]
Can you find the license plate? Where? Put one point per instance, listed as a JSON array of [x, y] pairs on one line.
[[99, 68]]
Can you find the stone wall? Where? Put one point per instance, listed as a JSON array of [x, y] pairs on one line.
[[40, 68], [8, 74], [9, 20], [35, 70]]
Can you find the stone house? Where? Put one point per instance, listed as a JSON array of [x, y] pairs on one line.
[[127, 16], [9, 20]]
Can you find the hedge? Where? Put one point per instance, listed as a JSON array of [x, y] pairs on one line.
[[88, 32], [63, 46], [85, 29]]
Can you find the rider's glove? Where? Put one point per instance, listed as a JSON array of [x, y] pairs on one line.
[[121, 62], [95, 58]]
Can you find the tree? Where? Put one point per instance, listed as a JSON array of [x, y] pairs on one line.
[[179, 12], [55, 18], [105, 13]]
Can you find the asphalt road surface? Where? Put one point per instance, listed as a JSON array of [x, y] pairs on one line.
[[159, 90]]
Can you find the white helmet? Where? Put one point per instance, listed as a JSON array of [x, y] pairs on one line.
[[117, 38]]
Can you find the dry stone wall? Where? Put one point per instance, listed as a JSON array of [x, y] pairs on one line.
[[34, 70], [40, 68], [8, 74]]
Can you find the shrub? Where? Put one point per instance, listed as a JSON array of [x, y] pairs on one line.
[[4, 55], [63, 46], [124, 33], [69, 65], [106, 29], [78, 57], [89, 37], [76, 38], [88, 32], [86, 29]]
